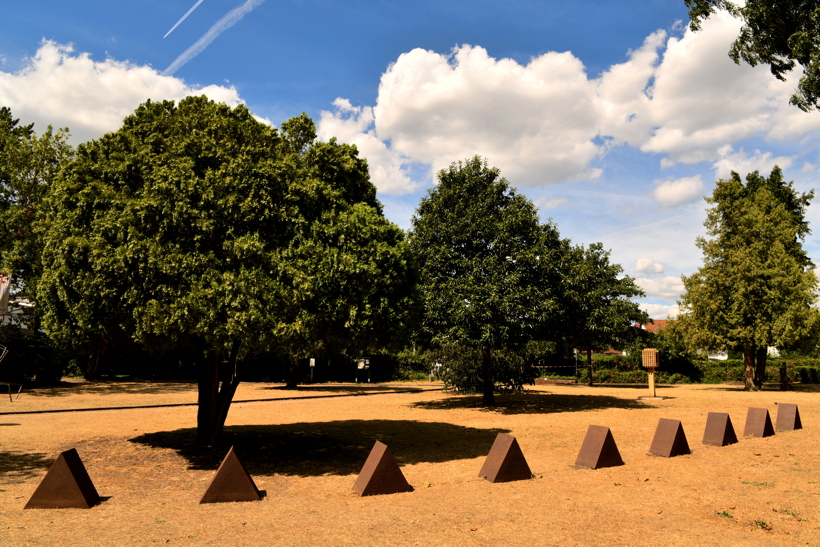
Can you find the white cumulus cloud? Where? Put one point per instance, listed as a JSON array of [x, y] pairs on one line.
[[683, 97], [547, 204], [354, 125], [674, 192], [743, 163], [660, 311], [546, 121], [535, 122], [664, 288], [60, 88], [647, 265]]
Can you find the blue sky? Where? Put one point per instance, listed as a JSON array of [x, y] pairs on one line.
[[611, 116]]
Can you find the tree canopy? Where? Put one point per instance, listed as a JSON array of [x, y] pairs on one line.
[[196, 226], [486, 266], [28, 166], [597, 311], [756, 287], [780, 34]]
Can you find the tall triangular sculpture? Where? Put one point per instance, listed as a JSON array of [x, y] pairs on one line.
[[505, 462], [758, 423], [788, 417], [381, 474], [669, 440], [66, 485], [598, 449], [232, 482], [719, 430]]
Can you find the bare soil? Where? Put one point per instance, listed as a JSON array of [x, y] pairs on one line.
[[304, 448]]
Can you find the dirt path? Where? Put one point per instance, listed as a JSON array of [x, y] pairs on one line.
[[306, 453]]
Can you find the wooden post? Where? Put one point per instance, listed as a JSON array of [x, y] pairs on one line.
[[651, 360]]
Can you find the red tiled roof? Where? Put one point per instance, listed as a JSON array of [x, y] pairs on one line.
[[655, 326]]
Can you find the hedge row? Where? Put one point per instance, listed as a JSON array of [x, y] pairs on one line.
[[610, 369]]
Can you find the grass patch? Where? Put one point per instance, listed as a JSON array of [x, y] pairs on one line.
[[760, 484]]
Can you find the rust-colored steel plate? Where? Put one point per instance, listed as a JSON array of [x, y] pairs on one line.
[[599, 449], [758, 423], [669, 440], [505, 462], [719, 430], [66, 485], [232, 482], [381, 474], [788, 417]]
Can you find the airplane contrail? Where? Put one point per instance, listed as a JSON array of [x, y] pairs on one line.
[[229, 20], [183, 18]]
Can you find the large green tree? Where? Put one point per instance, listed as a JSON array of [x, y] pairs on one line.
[[756, 287], [597, 313], [780, 34], [487, 273], [28, 167], [195, 226]]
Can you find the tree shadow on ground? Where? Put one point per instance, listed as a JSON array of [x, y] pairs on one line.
[[328, 448], [532, 403], [626, 386], [351, 388], [17, 467], [739, 386], [65, 389]]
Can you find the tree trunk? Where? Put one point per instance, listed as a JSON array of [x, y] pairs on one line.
[[589, 366], [760, 366], [215, 401], [784, 379], [93, 365], [487, 373], [749, 368], [293, 374]]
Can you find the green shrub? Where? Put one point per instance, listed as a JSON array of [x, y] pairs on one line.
[[463, 364]]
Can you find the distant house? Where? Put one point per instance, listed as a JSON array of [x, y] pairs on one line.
[[659, 324], [655, 326]]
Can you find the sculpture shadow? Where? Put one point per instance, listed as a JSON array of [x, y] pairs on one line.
[[17, 467], [532, 403], [103, 388], [327, 448]]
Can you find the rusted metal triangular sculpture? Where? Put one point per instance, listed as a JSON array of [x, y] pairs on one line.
[[758, 423], [505, 462], [380, 474], [788, 417], [669, 440], [66, 485], [232, 482], [719, 430], [599, 449]]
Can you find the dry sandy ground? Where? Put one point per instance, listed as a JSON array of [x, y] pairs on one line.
[[306, 453]]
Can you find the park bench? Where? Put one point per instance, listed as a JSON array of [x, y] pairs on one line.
[[3, 352]]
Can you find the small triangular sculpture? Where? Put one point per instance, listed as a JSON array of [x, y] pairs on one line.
[[505, 462], [758, 423], [66, 485], [788, 417], [719, 430], [598, 449], [381, 474], [232, 482], [669, 440]]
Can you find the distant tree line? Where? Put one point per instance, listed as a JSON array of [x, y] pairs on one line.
[[200, 238]]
